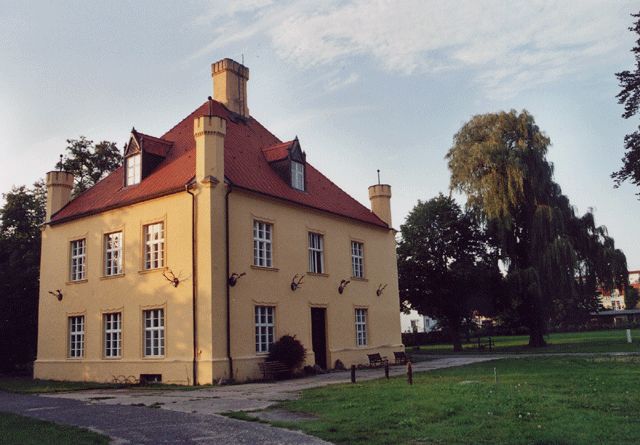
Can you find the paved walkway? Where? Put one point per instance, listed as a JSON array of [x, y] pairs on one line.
[[248, 397], [128, 415]]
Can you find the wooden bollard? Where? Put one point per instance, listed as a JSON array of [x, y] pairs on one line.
[[409, 373], [386, 370], [353, 373]]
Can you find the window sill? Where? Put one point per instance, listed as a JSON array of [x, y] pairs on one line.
[[157, 269], [153, 357], [109, 359], [268, 269], [359, 279], [77, 281], [316, 274], [75, 359], [111, 277]]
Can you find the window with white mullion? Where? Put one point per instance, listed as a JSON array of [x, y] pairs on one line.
[[154, 333], [297, 175], [134, 169], [357, 259], [154, 246], [113, 254], [316, 253], [262, 244], [76, 336], [361, 327], [113, 335], [78, 259], [264, 321]]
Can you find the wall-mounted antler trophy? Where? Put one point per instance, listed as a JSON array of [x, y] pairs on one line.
[[296, 281], [381, 288], [343, 284], [233, 279], [171, 278], [57, 294]]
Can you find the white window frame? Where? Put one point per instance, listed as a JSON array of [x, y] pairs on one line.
[[113, 254], [78, 266], [134, 169], [262, 244], [76, 336], [361, 326], [357, 259], [112, 334], [297, 175], [154, 245], [153, 332], [316, 252], [264, 317]]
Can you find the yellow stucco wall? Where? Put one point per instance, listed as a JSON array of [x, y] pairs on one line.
[[137, 290]]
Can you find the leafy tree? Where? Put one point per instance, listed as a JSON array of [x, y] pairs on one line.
[[20, 218], [89, 162], [554, 260], [629, 96], [631, 297], [446, 268]]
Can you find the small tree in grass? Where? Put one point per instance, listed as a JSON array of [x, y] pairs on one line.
[[288, 350]]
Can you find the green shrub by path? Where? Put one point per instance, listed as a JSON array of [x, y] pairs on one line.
[[21, 430], [536, 401], [567, 342]]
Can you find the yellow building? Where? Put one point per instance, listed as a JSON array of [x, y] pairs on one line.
[[207, 245]]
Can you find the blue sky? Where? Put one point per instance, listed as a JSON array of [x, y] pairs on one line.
[[363, 84]]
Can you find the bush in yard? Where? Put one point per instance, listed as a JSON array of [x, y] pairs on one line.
[[288, 350]]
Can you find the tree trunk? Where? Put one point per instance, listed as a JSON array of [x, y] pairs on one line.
[[454, 332], [536, 337]]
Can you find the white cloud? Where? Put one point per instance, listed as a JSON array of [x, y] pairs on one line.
[[508, 46]]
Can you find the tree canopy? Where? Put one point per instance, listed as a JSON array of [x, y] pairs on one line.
[[555, 261], [447, 269], [629, 96], [89, 162]]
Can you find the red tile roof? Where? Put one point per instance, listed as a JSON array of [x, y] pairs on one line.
[[277, 152], [245, 167]]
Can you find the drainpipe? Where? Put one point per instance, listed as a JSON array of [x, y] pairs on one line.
[[226, 213], [194, 284]]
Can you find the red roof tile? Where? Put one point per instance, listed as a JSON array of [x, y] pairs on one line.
[[246, 167], [277, 152]]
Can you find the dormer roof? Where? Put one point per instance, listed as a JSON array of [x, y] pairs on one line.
[[140, 142]]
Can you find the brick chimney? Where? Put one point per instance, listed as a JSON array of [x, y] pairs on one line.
[[380, 197], [230, 85], [59, 185]]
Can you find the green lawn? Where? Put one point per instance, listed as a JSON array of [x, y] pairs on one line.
[[21, 430], [27, 385], [540, 400], [592, 341]]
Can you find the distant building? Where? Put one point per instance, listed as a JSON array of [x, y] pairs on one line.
[[614, 300], [414, 322]]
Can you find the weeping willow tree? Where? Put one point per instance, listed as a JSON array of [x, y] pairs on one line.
[[554, 260]]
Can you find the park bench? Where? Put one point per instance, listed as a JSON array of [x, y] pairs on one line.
[[375, 360], [485, 343], [401, 358], [272, 369]]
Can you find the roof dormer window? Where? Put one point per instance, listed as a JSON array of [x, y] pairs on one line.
[[134, 169], [297, 175]]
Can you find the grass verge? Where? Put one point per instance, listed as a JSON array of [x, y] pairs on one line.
[[15, 429], [539, 400], [567, 342]]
